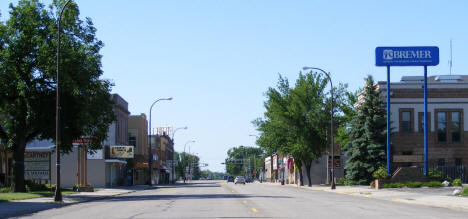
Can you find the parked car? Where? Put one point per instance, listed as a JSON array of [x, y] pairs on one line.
[[230, 179], [239, 179], [248, 179]]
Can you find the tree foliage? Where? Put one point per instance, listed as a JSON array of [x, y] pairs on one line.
[[297, 119], [186, 164], [366, 151], [243, 160], [28, 42]]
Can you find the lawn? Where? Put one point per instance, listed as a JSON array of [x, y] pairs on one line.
[[465, 192], [10, 196]]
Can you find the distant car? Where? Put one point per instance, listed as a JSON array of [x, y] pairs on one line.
[[230, 179], [239, 179], [248, 179]]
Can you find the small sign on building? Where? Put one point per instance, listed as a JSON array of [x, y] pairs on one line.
[[121, 152]]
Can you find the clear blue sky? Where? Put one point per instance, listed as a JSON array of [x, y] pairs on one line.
[[217, 58]]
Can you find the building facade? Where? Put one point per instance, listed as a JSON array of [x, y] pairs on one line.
[[138, 137], [447, 134]]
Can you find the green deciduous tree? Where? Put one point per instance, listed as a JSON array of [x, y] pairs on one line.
[[297, 120], [28, 42], [243, 160], [185, 162], [366, 150]]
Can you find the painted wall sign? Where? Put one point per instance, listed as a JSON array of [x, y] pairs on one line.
[[407, 56], [121, 151]]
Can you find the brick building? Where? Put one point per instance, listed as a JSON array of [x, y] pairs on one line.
[[447, 136]]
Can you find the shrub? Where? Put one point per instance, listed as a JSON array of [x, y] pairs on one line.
[[464, 192], [413, 184], [435, 175], [394, 185], [348, 182], [432, 184], [5, 189], [32, 186], [380, 173], [341, 180], [457, 182]]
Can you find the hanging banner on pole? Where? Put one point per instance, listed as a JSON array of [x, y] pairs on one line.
[[407, 56]]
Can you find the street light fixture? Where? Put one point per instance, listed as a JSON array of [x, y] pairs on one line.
[[333, 186], [150, 154], [58, 137], [173, 149], [191, 141]]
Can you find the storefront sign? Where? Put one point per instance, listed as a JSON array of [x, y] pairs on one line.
[[121, 151], [407, 56], [36, 165], [31, 175]]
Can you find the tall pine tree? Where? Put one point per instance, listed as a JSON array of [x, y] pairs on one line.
[[366, 151]]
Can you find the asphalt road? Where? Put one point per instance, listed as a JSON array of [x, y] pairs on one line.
[[215, 199]]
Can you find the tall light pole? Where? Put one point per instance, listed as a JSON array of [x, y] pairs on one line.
[[173, 150], [150, 154], [191, 141], [333, 186], [58, 137]]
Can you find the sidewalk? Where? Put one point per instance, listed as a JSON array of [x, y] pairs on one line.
[[436, 197], [28, 206]]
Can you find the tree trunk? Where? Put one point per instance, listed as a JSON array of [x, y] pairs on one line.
[[301, 177], [308, 164], [18, 166]]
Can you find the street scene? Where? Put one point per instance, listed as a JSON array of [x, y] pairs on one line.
[[233, 109], [218, 199]]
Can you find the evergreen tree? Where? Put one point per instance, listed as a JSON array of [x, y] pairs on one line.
[[366, 151]]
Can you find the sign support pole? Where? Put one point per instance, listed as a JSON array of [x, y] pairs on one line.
[[388, 122], [425, 123]]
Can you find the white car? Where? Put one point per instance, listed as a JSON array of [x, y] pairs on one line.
[[239, 179]]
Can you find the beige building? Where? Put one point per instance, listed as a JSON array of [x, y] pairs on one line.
[[138, 137]]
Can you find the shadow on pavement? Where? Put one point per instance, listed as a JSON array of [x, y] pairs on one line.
[[191, 196], [10, 209]]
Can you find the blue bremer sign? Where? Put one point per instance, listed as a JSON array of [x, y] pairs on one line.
[[407, 56]]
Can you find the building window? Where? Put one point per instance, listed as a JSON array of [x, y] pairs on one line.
[[441, 162], [458, 161], [455, 126], [421, 122], [132, 141], [449, 126], [406, 120], [442, 127]]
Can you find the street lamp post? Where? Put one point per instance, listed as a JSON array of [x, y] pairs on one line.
[[58, 192], [191, 141], [333, 186], [150, 154], [173, 150]]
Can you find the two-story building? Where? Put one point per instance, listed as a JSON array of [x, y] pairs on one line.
[[138, 137], [447, 134]]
